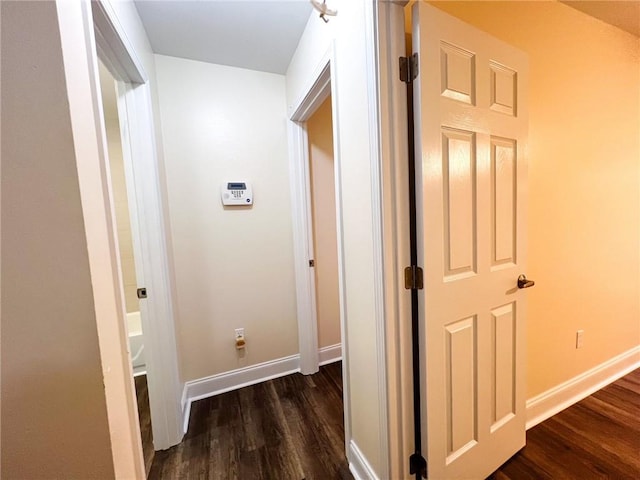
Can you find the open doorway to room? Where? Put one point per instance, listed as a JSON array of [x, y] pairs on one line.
[[324, 243], [127, 236], [225, 124]]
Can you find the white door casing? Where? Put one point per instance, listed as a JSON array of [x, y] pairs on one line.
[[145, 206], [471, 131]]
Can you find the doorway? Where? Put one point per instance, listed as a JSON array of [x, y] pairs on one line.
[[319, 99], [108, 42], [324, 246], [127, 237]]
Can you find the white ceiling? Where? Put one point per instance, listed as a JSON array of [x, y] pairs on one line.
[[263, 34], [254, 34]]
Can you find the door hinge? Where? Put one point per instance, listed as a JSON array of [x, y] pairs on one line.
[[409, 68], [141, 292], [418, 465], [312, 263], [413, 278]]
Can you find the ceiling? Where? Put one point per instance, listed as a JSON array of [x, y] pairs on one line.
[[621, 14], [254, 34], [263, 34]]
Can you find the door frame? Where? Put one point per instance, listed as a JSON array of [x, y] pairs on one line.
[[394, 148], [300, 180], [150, 249], [103, 36], [320, 86]]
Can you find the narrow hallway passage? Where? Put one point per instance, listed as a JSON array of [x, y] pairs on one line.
[[288, 428]]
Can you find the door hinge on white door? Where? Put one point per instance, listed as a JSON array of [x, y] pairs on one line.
[[409, 68], [418, 466], [413, 278]]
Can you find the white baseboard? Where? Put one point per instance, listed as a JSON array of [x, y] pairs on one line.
[[330, 354], [554, 400], [358, 465], [186, 412], [235, 379], [139, 371], [243, 377]]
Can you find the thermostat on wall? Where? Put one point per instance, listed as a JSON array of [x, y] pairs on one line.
[[237, 193]]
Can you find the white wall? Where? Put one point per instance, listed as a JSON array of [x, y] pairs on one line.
[[359, 165], [233, 266], [360, 223]]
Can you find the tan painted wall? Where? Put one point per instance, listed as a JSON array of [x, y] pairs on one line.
[[584, 166], [54, 412], [233, 266], [323, 206]]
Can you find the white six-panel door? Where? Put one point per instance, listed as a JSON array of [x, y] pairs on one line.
[[471, 127]]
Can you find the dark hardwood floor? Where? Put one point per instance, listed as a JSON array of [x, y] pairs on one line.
[[142, 394], [285, 429], [291, 428], [597, 438]]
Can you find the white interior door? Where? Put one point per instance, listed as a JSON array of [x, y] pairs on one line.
[[471, 127]]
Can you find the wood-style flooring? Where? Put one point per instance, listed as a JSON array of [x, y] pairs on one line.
[[142, 394], [290, 428], [597, 438]]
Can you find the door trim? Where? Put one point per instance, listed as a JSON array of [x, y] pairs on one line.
[[318, 92], [321, 83], [396, 247], [395, 234], [143, 180], [380, 281], [85, 107], [101, 32]]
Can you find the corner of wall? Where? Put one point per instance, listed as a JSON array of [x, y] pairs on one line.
[[359, 466], [556, 399]]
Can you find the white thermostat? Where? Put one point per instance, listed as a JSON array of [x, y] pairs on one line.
[[236, 193]]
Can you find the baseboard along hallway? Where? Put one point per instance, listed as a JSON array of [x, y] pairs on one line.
[[598, 437], [287, 428]]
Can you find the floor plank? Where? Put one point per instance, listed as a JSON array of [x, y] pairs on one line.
[[597, 438], [287, 428], [291, 428], [144, 415]]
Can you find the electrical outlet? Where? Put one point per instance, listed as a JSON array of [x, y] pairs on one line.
[[579, 335], [240, 340]]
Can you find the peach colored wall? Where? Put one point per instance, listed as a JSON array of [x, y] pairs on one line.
[[584, 166], [323, 206]]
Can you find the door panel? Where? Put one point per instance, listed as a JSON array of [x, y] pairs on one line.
[[459, 171], [470, 124]]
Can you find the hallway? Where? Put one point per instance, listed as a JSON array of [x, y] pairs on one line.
[[287, 428]]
